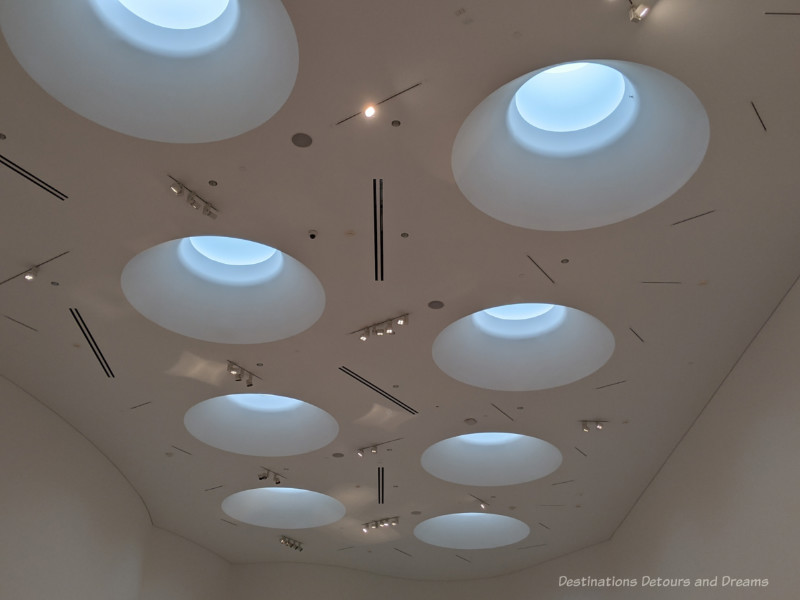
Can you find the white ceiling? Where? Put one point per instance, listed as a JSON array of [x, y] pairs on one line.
[[675, 342]]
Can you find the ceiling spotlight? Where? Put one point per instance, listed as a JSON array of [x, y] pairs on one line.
[[599, 425], [373, 525], [637, 12], [585, 426], [176, 188], [290, 543], [209, 212], [233, 368], [365, 528], [360, 453], [379, 330], [31, 274], [276, 479], [238, 376], [369, 112], [395, 521], [402, 320], [389, 329], [364, 335], [249, 382], [192, 200], [374, 449]]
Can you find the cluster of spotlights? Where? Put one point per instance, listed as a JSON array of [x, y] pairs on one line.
[[362, 451], [588, 425], [193, 199], [637, 12], [380, 329], [387, 522], [240, 374], [266, 474], [290, 543]]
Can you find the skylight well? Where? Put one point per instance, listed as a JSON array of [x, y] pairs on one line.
[[177, 14]]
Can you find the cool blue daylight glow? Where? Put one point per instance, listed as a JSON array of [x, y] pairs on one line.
[[177, 14], [570, 97], [231, 251]]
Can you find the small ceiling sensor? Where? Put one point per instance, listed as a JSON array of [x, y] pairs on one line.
[[637, 12], [369, 112]]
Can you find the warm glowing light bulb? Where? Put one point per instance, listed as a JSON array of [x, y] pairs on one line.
[[369, 112]]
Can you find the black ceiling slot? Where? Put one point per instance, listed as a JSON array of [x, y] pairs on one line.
[[32, 178], [377, 225], [380, 485], [375, 388], [90, 340]]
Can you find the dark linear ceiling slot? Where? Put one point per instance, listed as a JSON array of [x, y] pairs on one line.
[[543, 525], [563, 482], [21, 323], [406, 553], [541, 269], [90, 340], [141, 405], [375, 388], [32, 178], [230, 522], [462, 558], [669, 282], [534, 546], [504, 413], [581, 451], [377, 224], [182, 450], [708, 212], [758, 114], [610, 384], [636, 334], [216, 487], [381, 495]]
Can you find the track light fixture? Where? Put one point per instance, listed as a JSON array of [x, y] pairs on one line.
[[268, 474], [387, 522], [193, 199], [31, 274], [637, 12], [373, 449], [290, 543], [387, 327], [240, 373], [597, 423]]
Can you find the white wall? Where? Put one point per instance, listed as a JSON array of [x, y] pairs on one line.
[[71, 526]]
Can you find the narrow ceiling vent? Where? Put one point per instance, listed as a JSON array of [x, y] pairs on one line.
[[377, 223], [381, 495], [32, 178], [375, 388], [90, 340]]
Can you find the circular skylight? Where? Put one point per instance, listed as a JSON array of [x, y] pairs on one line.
[[180, 71], [283, 508], [261, 424], [519, 321], [570, 97], [491, 459], [471, 531], [269, 297], [555, 347], [177, 14], [231, 251], [554, 151]]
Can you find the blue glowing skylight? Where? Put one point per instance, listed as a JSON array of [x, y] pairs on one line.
[[177, 14], [492, 438], [265, 402], [232, 251], [519, 321], [517, 312], [570, 97]]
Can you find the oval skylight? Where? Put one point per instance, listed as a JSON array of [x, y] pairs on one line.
[[570, 97], [574, 157], [178, 71], [183, 290], [261, 424], [519, 321], [283, 508], [491, 459], [471, 531], [177, 14], [553, 348], [231, 251]]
